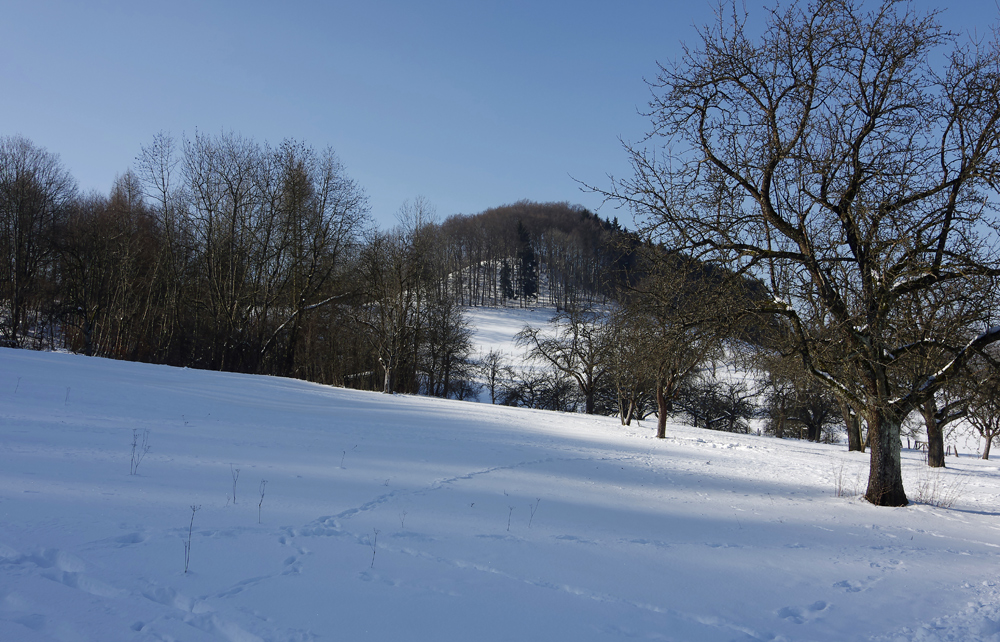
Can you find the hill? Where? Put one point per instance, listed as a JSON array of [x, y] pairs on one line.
[[415, 518]]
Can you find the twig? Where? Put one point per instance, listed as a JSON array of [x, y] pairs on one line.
[[533, 508], [236, 475], [263, 483], [509, 513], [187, 544], [373, 542], [139, 450]]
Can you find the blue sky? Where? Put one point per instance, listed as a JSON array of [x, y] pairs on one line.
[[467, 104]]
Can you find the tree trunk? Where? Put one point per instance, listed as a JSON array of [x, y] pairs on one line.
[[853, 424], [661, 412], [986, 448], [885, 478], [387, 385], [88, 336], [935, 435]]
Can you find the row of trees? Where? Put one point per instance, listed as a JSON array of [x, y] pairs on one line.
[[685, 342], [221, 252]]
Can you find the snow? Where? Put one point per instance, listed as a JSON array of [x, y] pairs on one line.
[[411, 518], [494, 328]]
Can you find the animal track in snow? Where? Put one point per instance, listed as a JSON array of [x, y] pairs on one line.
[[803, 614]]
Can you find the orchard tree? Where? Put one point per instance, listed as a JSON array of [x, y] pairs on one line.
[[576, 345], [629, 388], [984, 411], [847, 157], [683, 309], [946, 317]]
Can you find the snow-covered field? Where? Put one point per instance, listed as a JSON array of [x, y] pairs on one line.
[[407, 518]]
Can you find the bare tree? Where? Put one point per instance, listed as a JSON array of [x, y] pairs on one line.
[[681, 312], [629, 377], [576, 345], [232, 225], [947, 316], [794, 399], [444, 357], [35, 191], [156, 169], [492, 367], [108, 250], [321, 213], [834, 159], [984, 411], [388, 308], [718, 404]]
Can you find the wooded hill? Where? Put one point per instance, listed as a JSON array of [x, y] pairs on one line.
[[552, 254]]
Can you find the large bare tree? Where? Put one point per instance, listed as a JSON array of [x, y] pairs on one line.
[[846, 156]]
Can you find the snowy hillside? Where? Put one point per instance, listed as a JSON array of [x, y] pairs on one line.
[[494, 328], [406, 518]]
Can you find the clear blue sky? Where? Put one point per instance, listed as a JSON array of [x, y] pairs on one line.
[[468, 104]]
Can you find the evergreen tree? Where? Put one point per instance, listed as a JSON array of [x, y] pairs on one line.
[[506, 284], [528, 264]]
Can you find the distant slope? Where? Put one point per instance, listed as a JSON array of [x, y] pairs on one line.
[[494, 328]]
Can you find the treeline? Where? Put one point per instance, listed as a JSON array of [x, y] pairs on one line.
[[224, 253], [210, 253]]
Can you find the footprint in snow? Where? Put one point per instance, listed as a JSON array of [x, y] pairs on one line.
[[856, 586], [850, 586], [129, 539], [803, 614]]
